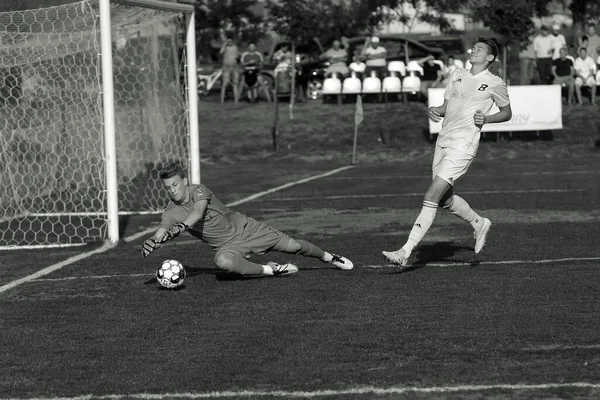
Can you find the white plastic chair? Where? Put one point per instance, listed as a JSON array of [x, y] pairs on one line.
[[351, 84], [332, 86], [371, 84], [414, 67], [392, 83]]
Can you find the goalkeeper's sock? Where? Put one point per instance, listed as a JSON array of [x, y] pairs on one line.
[[307, 249], [421, 226], [459, 207]]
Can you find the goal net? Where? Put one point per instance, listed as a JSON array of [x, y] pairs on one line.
[[52, 154]]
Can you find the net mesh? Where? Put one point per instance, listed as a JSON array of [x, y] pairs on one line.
[[51, 128]]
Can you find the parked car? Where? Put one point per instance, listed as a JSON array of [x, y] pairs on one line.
[[308, 64], [397, 47]]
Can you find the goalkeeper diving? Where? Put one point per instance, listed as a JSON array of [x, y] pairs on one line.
[[233, 235]]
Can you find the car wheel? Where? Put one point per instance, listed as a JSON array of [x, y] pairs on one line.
[[315, 88]]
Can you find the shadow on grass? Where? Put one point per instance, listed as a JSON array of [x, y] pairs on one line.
[[433, 253]]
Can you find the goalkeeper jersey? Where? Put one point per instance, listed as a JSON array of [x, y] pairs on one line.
[[467, 93], [219, 226]]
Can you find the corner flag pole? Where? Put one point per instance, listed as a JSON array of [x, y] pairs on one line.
[[358, 118]]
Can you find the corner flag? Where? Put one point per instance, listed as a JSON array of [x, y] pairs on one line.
[[358, 115]]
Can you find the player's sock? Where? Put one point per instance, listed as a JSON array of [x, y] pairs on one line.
[[459, 207], [267, 270], [309, 250], [327, 257], [421, 226]]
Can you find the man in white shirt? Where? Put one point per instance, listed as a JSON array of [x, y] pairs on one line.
[[374, 55], [468, 98], [559, 41], [585, 69], [337, 57], [593, 46], [543, 46]]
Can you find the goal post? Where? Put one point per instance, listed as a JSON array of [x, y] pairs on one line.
[[95, 96]]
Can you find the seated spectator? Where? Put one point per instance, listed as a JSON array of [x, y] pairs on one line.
[[375, 57], [585, 70], [252, 62], [432, 74], [563, 71], [447, 70], [337, 58]]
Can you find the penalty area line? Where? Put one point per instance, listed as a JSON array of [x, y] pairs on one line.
[[107, 246], [356, 391], [254, 197]]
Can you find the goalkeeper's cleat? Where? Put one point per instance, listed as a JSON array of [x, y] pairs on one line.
[[282, 269], [397, 257], [341, 262], [481, 234]]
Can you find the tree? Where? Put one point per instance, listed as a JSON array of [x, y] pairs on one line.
[[235, 18], [583, 11], [412, 12]]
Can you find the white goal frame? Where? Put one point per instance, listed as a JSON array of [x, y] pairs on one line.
[[109, 102], [108, 127]]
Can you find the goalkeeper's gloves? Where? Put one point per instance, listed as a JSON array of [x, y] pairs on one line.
[[176, 230], [148, 247]]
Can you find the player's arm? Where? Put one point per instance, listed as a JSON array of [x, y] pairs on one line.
[[197, 213], [437, 113], [503, 115], [554, 71]]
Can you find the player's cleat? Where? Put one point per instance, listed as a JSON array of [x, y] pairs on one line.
[[282, 269], [341, 262], [397, 257], [481, 234]]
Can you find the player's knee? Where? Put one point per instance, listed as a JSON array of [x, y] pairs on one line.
[[293, 246], [225, 261]]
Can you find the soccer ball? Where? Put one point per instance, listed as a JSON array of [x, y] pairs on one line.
[[171, 274]]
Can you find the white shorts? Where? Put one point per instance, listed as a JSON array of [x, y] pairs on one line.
[[589, 81], [450, 164]]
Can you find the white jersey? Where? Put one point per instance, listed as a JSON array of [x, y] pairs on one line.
[[467, 93]]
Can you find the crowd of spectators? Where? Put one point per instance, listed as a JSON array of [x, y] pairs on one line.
[[573, 65]]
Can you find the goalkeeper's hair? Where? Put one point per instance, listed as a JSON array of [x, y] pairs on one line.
[[491, 45], [171, 170]]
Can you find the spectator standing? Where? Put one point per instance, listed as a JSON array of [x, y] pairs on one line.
[[230, 68], [559, 41], [593, 46], [585, 69], [432, 74], [564, 72], [375, 56], [526, 62], [543, 46]]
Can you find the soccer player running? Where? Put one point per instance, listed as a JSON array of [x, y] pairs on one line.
[[467, 100], [233, 235]]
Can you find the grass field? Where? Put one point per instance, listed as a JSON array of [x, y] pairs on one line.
[[519, 320]]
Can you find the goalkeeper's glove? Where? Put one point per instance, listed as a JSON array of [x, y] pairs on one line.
[[176, 230], [148, 247]]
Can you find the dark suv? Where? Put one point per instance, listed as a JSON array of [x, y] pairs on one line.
[[397, 47]]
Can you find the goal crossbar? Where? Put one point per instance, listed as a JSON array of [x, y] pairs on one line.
[[157, 5]]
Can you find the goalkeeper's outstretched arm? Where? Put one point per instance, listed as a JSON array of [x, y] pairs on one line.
[[153, 242]]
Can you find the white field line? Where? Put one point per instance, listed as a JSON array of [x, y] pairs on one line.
[[448, 264], [420, 194], [254, 197], [478, 263], [42, 246], [361, 390], [108, 246], [420, 176], [73, 278], [54, 267]]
